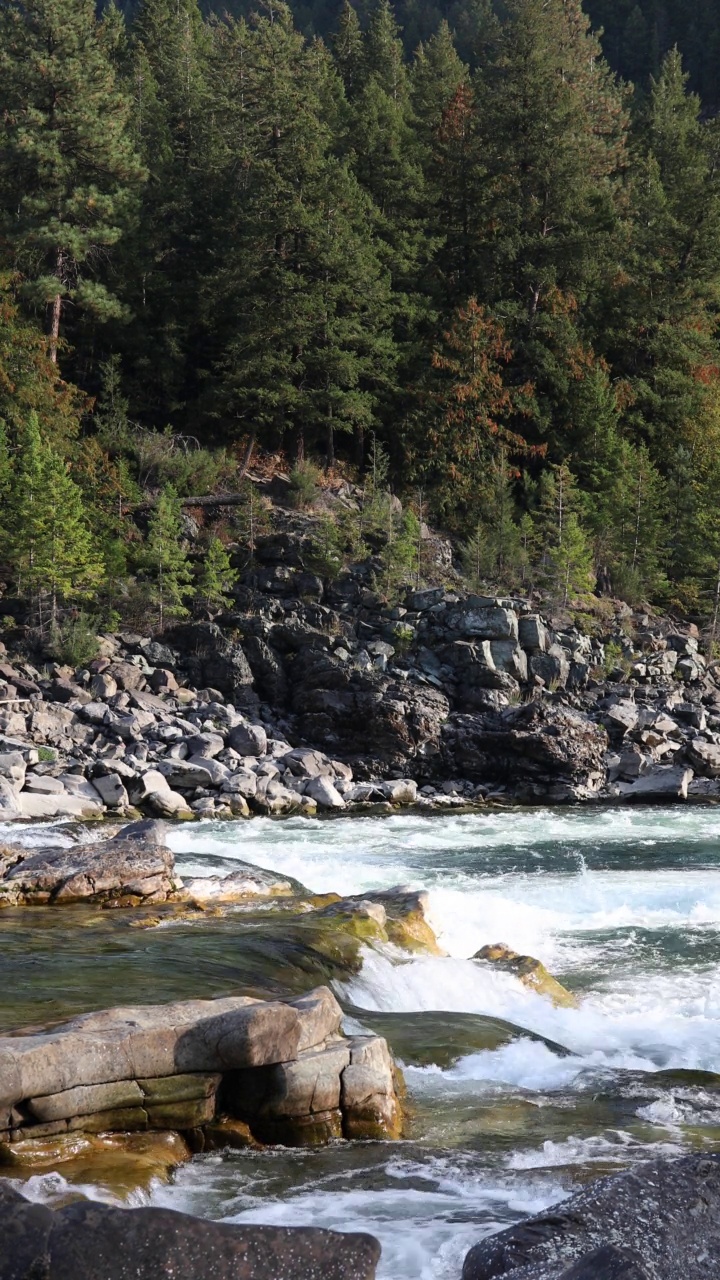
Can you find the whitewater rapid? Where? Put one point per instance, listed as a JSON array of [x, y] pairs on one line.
[[622, 905]]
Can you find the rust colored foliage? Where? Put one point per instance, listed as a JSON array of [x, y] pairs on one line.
[[476, 401], [29, 381]]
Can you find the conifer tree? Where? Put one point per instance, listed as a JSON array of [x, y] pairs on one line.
[[165, 560], [306, 296], [172, 248], [567, 569], [68, 169], [660, 323], [437, 74], [495, 552], [348, 50], [474, 409], [52, 551], [216, 577], [389, 159], [552, 126], [29, 380]]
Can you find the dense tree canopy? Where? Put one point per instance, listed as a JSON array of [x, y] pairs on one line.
[[449, 230]]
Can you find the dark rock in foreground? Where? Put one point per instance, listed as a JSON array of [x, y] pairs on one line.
[[660, 1221], [88, 1241]]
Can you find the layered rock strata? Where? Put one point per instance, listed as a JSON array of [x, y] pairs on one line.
[[282, 1068]]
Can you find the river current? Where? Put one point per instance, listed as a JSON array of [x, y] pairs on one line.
[[512, 1102]]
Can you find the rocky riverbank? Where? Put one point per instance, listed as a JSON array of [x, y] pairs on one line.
[[298, 707], [658, 1222]]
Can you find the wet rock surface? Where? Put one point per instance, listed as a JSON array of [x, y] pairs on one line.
[[281, 1067], [659, 1221], [93, 1242]]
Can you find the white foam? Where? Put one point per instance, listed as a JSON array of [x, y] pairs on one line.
[[617, 1147], [426, 1214]]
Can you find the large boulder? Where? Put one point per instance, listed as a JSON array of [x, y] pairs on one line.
[[140, 1043], [661, 1221], [89, 1241], [538, 750], [128, 870], [662, 783], [212, 659], [371, 720]]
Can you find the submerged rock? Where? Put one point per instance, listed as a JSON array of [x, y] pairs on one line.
[[88, 1241], [384, 916], [119, 1164], [531, 972], [659, 1221], [246, 882]]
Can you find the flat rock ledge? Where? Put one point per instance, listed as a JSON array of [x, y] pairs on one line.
[[88, 1241], [659, 1221], [227, 1072]]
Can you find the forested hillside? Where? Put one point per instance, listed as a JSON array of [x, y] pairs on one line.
[[484, 273], [635, 34]]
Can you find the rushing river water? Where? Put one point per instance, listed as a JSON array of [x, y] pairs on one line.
[[513, 1101]]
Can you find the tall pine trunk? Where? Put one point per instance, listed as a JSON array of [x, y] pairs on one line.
[[56, 311]]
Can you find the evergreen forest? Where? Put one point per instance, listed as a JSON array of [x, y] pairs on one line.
[[464, 253]]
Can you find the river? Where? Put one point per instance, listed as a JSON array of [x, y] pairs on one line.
[[622, 905]]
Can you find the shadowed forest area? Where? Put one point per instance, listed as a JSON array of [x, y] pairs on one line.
[[469, 256]]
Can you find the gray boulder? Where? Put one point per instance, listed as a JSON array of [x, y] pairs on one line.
[[664, 782], [248, 740], [324, 793], [109, 871], [13, 767], [660, 1220], [9, 799]]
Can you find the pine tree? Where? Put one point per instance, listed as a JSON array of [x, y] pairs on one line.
[[474, 405], [68, 169], [639, 526], [552, 132], [566, 566], [216, 578], [348, 50], [29, 381], [660, 323], [437, 74], [495, 552], [165, 560], [171, 251], [306, 296], [52, 551], [389, 161]]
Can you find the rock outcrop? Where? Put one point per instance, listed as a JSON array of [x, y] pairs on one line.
[[542, 752], [283, 1068], [659, 1221], [312, 696], [531, 972], [130, 869], [87, 1241]]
